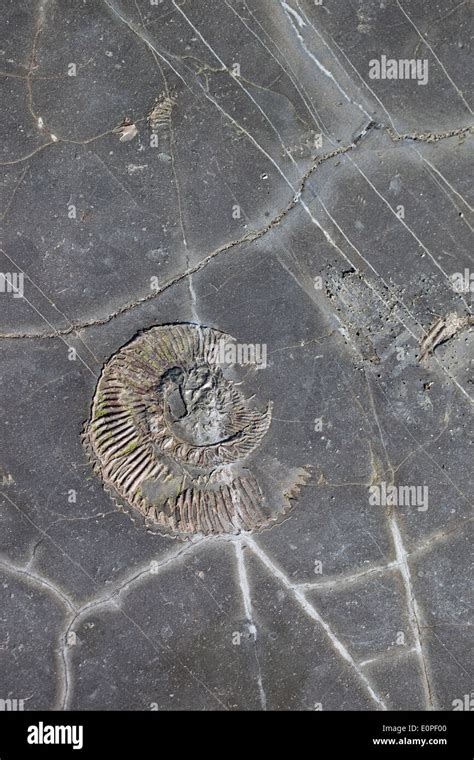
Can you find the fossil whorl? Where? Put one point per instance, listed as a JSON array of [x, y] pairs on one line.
[[171, 435]]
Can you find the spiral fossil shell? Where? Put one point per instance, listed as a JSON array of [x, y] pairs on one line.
[[174, 438]]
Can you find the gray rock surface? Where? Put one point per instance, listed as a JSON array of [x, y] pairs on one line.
[[233, 164]]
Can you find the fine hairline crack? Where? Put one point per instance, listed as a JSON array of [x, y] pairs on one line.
[[109, 599], [250, 236]]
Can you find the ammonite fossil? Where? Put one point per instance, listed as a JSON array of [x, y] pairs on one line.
[[174, 437]]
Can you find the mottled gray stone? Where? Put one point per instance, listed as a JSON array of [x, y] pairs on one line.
[[291, 201], [398, 680]]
